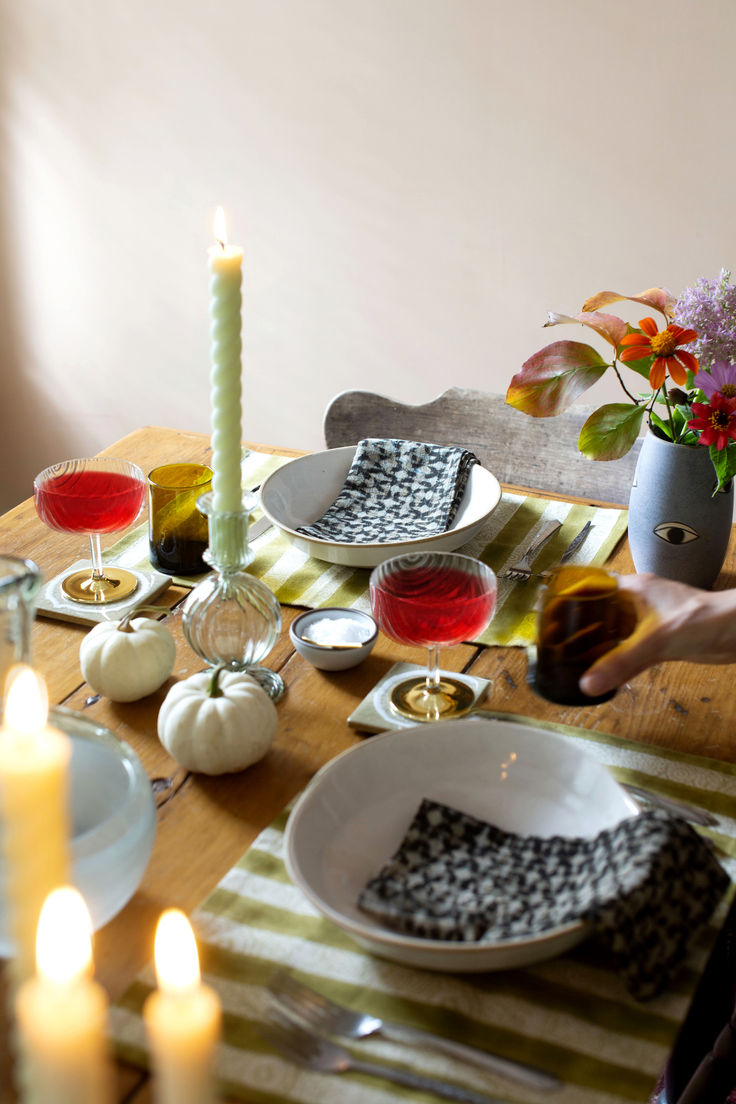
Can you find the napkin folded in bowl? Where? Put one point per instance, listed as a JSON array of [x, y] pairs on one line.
[[644, 886], [396, 490]]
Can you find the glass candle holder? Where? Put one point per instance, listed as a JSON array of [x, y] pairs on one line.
[[232, 618]]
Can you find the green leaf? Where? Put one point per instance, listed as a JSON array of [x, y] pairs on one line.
[[609, 432], [554, 378], [665, 430], [724, 462]]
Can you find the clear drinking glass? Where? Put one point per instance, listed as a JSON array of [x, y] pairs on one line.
[[20, 581]]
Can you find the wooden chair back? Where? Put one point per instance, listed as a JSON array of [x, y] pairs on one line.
[[540, 453]]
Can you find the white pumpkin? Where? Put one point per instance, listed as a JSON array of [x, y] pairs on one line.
[[128, 659], [216, 722]]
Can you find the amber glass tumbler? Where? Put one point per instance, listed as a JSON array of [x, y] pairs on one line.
[[177, 530], [580, 619]]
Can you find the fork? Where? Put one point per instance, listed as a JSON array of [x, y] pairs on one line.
[[522, 569], [313, 1051], [325, 1015]]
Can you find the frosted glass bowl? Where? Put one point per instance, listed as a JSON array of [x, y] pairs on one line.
[[113, 819]]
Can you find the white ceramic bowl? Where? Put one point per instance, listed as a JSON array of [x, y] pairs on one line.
[[300, 492], [330, 657], [355, 812], [113, 819]]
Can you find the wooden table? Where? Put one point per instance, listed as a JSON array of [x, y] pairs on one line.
[[205, 824]]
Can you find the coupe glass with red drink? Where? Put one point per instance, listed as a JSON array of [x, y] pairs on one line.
[[432, 599], [94, 496]]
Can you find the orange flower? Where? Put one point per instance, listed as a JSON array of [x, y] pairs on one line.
[[664, 347]]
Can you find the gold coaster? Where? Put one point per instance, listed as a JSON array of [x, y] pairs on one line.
[[375, 714]]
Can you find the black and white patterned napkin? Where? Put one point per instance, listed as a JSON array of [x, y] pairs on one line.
[[396, 490], [645, 887]]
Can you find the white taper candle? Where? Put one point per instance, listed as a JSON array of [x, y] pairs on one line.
[[34, 761], [62, 1012], [182, 1018], [225, 265]]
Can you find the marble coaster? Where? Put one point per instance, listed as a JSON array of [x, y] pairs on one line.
[[374, 713], [52, 601]]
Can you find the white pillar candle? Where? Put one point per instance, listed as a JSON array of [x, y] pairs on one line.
[[225, 265], [182, 1018], [34, 760], [62, 1012]]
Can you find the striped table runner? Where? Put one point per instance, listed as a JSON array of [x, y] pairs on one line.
[[300, 580], [570, 1014]]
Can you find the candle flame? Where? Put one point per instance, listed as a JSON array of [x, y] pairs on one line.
[[27, 700], [63, 938], [220, 227], [175, 954]]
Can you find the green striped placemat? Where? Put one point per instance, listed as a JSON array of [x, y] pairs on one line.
[[298, 579], [570, 1014]]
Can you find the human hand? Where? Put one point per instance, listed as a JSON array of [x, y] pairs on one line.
[[672, 621]]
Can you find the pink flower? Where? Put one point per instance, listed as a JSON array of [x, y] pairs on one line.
[[721, 376]]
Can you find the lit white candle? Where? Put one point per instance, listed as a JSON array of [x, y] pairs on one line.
[[34, 760], [225, 265], [182, 1018], [62, 1012]]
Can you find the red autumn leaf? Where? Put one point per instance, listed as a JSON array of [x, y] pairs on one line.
[[610, 431], [552, 379], [607, 325], [657, 298]]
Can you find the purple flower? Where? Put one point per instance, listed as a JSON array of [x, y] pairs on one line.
[[709, 307], [721, 376]]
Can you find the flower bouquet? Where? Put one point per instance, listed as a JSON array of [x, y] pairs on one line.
[[694, 351]]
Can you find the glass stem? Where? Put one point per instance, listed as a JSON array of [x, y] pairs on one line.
[[433, 668], [96, 555]]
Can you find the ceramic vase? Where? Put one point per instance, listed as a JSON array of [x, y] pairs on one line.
[[677, 527]]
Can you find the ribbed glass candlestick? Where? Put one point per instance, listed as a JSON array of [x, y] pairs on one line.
[[232, 618]]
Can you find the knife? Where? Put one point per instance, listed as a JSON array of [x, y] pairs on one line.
[[570, 550], [576, 542], [258, 527]]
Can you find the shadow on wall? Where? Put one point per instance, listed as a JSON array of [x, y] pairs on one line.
[[23, 450]]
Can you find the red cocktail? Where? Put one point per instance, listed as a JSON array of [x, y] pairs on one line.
[[99, 495], [81, 501], [433, 599]]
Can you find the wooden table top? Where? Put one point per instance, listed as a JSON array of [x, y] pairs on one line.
[[205, 824]]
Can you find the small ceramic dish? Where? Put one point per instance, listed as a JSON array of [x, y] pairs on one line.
[[333, 655]]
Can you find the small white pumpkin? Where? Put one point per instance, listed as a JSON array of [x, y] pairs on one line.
[[216, 722], [128, 659]]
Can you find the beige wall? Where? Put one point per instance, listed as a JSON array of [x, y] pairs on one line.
[[415, 182]]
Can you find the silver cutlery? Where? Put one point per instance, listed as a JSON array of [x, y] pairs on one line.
[[575, 543], [325, 1015], [259, 527], [569, 551], [315, 1052], [522, 569], [672, 805]]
